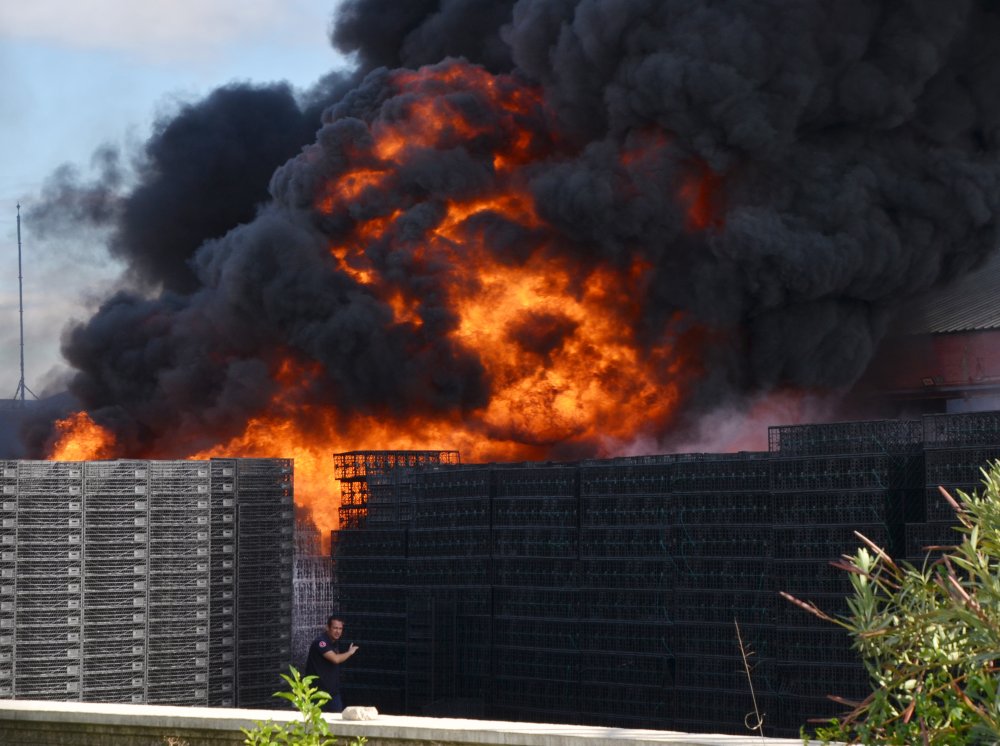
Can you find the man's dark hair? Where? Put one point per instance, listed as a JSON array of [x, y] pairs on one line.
[[333, 618]]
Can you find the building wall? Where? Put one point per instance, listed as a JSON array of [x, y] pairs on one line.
[[948, 372], [76, 724]]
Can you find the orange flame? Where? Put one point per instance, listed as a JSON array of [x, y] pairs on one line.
[[81, 439], [701, 194], [555, 337]]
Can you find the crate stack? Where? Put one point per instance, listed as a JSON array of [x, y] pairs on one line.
[[828, 481], [625, 590], [222, 573], [46, 535], [118, 580], [392, 499], [264, 555], [115, 581], [448, 610], [956, 448], [370, 575], [720, 515], [178, 608], [8, 574], [538, 640], [609, 589], [369, 591]]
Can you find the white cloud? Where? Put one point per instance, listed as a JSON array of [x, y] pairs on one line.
[[160, 31]]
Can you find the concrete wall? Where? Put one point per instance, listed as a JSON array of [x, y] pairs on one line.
[[26, 722]]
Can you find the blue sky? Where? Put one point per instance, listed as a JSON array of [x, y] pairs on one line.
[[78, 75]]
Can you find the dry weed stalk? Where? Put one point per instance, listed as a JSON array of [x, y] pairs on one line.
[[758, 723]]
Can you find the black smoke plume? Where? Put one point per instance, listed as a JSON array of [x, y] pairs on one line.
[[850, 148]]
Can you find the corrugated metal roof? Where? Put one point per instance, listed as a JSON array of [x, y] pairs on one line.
[[970, 303]]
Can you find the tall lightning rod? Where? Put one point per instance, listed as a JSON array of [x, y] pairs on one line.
[[22, 387]]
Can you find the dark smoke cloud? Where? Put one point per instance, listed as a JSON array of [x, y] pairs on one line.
[[69, 204], [847, 157], [387, 33], [204, 170], [857, 142]]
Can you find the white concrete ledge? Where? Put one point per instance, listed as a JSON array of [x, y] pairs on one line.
[[68, 723]]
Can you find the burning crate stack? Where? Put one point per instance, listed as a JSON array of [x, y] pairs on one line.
[[372, 576], [136, 581]]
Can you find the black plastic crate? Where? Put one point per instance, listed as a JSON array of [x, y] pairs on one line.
[[617, 572], [723, 573], [626, 510], [826, 542], [715, 473], [966, 429], [530, 541], [921, 536], [626, 542], [875, 436], [543, 572], [538, 602], [715, 607], [725, 508]]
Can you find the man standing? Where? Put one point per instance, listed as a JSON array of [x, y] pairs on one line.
[[325, 656]]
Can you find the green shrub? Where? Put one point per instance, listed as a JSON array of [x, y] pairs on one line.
[[929, 636], [312, 730]]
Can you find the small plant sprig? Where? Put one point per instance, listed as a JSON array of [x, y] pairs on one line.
[[312, 730]]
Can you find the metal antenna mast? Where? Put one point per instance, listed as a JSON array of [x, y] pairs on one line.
[[22, 387]]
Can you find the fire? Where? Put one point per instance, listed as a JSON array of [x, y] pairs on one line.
[[701, 194], [81, 439], [556, 337]]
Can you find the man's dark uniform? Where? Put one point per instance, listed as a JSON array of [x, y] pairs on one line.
[[327, 671]]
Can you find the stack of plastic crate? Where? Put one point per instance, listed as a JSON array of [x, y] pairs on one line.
[[178, 590], [956, 448], [369, 592], [829, 481], [221, 689], [535, 544], [115, 581], [264, 555], [376, 580], [447, 604], [48, 546], [385, 493], [626, 583], [721, 523], [8, 574]]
